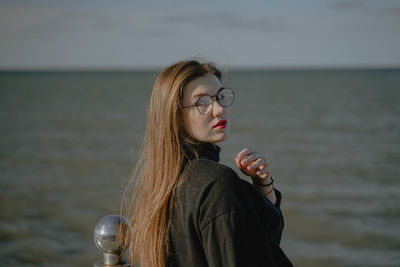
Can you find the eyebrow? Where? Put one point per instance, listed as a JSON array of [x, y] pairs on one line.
[[203, 94]]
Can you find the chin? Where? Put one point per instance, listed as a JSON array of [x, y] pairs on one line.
[[220, 138]]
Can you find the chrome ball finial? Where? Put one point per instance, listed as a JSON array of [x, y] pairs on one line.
[[109, 238]]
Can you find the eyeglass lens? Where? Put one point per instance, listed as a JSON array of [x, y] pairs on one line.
[[225, 98]]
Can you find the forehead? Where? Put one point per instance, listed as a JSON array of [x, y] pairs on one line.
[[208, 84]]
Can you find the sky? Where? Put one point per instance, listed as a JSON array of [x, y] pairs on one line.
[[131, 34]]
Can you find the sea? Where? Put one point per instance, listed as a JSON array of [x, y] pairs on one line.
[[69, 141]]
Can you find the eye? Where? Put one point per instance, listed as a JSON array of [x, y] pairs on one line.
[[204, 100]]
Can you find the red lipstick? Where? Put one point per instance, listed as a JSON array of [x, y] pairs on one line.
[[221, 124]]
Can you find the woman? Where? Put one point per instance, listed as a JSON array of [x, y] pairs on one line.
[[188, 209]]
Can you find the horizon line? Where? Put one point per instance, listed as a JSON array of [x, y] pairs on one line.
[[233, 68]]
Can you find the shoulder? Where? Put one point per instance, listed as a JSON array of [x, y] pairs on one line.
[[207, 173], [213, 190]]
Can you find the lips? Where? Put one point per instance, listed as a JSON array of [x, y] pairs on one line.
[[221, 123]]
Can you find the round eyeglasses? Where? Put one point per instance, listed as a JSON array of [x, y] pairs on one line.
[[225, 97]]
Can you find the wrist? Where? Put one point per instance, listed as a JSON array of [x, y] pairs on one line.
[[266, 187], [263, 182]]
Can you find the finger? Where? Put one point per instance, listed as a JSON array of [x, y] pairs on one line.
[[249, 158], [243, 153], [253, 157], [237, 160], [263, 171], [256, 164], [264, 175]]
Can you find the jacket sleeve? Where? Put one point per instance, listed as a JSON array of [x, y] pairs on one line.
[[237, 225], [231, 239]]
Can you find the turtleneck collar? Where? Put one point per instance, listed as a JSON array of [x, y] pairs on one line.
[[205, 150]]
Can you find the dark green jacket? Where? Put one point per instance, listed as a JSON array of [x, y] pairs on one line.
[[221, 220]]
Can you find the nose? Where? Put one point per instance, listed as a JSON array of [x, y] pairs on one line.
[[217, 110]]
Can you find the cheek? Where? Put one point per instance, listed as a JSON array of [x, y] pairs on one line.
[[189, 122], [195, 124]]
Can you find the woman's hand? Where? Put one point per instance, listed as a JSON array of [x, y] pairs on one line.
[[254, 165]]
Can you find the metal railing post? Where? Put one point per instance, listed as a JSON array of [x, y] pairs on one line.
[[109, 239]]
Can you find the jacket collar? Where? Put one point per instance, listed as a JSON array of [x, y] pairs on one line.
[[204, 150]]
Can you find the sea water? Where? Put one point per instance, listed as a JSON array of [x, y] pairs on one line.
[[68, 141]]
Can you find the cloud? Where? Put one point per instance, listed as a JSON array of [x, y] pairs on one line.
[[371, 17], [142, 23], [381, 8], [226, 21], [394, 10], [52, 21], [348, 4], [63, 34]]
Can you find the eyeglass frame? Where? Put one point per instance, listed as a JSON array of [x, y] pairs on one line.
[[212, 101]]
